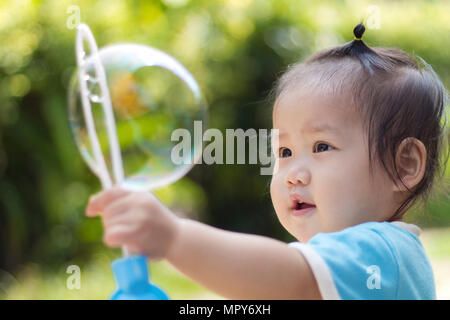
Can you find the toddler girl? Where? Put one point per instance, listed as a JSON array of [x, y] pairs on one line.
[[360, 138]]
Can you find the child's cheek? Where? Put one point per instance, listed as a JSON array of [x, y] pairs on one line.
[[273, 192], [335, 190], [276, 191], [347, 193]]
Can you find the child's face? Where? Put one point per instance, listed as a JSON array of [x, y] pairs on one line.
[[328, 168]]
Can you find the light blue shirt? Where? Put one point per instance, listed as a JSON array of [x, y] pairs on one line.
[[373, 260]]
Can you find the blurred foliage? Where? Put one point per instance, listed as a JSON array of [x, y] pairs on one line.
[[235, 49]]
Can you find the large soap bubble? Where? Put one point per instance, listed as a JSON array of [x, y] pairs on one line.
[[151, 95]]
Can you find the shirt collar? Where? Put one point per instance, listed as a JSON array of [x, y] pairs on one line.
[[408, 227]]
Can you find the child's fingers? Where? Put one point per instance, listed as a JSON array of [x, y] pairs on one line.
[[98, 202], [120, 219], [119, 235], [120, 206]]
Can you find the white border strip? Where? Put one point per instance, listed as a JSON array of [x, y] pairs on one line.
[[320, 270]]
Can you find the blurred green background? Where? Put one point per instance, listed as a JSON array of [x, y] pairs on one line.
[[236, 50]]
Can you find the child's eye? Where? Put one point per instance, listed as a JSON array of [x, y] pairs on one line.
[[321, 147], [284, 152]]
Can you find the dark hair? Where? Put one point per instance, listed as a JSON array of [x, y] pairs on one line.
[[396, 97]]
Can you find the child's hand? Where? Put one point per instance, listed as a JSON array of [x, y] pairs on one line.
[[137, 220]]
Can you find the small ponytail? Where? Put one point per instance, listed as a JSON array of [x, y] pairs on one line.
[[358, 31], [358, 49]]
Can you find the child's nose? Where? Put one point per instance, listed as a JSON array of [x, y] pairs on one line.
[[298, 176]]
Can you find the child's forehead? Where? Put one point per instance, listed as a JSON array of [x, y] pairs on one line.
[[312, 106], [310, 115]]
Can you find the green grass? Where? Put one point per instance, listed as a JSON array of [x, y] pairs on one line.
[[97, 282], [436, 242]]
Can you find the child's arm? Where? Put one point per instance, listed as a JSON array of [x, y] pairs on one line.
[[234, 265], [241, 266]]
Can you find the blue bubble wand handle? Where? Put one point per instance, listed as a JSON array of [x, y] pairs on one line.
[[131, 272]]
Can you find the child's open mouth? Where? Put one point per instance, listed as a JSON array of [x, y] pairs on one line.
[[299, 206], [302, 208]]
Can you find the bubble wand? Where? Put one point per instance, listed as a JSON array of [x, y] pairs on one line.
[[131, 272]]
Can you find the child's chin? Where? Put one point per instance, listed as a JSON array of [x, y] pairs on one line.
[[305, 235]]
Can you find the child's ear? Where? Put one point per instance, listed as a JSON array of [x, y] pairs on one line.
[[410, 160]]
